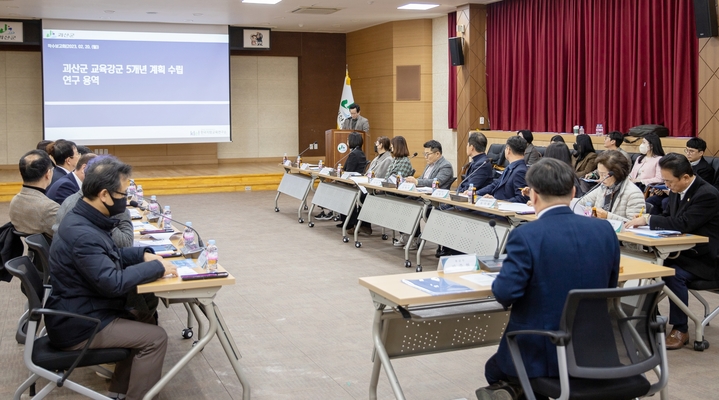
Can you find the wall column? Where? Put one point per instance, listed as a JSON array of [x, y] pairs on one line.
[[471, 77]]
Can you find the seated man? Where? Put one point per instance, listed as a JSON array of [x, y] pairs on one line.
[[509, 186], [31, 211], [70, 183], [535, 285], [693, 208], [479, 172], [91, 276], [437, 167]]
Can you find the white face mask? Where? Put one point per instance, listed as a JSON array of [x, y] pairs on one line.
[[644, 148]]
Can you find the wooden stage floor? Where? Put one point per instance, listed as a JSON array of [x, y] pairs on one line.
[[183, 179]]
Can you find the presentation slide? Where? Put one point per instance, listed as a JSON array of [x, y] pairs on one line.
[[112, 84]]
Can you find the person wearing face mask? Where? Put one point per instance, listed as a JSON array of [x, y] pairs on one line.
[[91, 276], [616, 198], [585, 155], [646, 169], [382, 161]]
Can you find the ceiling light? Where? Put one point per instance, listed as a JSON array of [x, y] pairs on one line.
[[109, 11], [417, 6], [261, 1], [196, 14], [152, 12]]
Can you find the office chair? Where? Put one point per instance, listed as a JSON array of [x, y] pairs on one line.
[[40, 357], [605, 346], [700, 344], [40, 250]]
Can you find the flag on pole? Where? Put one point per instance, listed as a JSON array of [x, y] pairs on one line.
[[345, 101]]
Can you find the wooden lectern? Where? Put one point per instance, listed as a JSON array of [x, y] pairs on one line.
[[333, 137]]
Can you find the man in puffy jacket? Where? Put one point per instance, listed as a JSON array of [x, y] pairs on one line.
[[91, 276]]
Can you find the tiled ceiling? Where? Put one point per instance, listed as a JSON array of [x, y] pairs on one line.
[[352, 15]]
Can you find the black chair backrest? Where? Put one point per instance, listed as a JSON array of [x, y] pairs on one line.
[[609, 338], [23, 269], [714, 162], [41, 249], [496, 153], [634, 157], [540, 149]]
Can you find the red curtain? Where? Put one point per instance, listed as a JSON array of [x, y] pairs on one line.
[[553, 64], [452, 85]]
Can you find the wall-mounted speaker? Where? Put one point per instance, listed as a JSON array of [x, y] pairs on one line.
[[705, 12], [455, 51]]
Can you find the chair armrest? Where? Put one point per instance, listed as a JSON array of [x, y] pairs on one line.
[[660, 324], [47, 311], [558, 338]]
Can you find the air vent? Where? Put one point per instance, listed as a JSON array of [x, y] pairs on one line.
[[315, 10]]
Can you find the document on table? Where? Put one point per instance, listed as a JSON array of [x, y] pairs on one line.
[[645, 231], [516, 207], [483, 279], [184, 271], [437, 286], [143, 243]]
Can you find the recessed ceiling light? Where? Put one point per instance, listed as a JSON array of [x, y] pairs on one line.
[[109, 11], [261, 1], [196, 14], [417, 6], [12, 7], [188, 20], [152, 12]]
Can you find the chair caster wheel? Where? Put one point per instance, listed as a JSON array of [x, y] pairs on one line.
[[407, 264], [336, 219], [418, 269], [701, 346], [358, 244], [277, 209], [305, 208], [385, 237], [187, 333], [345, 239], [301, 220], [311, 224]]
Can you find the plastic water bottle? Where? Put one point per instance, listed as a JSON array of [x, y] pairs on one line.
[[166, 223], [581, 130], [188, 236], [153, 207], [399, 179], [435, 184], [339, 170], [600, 129], [212, 255], [299, 160], [471, 193], [131, 190], [588, 209], [370, 174], [139, 194], [320, 165], [284, 159]]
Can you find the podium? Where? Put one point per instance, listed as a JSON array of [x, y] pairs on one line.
[[333, 137]]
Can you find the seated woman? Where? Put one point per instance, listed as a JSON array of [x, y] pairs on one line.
[[617, 197], [356, 160], [531, 154], [378, 167], [400, 158], [586, 156], [646, 169]]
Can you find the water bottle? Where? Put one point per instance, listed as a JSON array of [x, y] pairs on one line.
[[299, 160], [320, 165], [211, 255], [339, 170], [399, 179], [131, 190], [153, 207], [435, 184], [139, 194], [166, 223], [581, 130], [370, 174], [471, 193], [188, 236], [600, 129], [588, 208], [284, 159]]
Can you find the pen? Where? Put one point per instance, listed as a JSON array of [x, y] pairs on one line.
[[641, 212]]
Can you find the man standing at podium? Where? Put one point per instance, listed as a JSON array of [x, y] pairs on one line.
[[356, 122]]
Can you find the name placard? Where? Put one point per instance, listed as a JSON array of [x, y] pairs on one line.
[[305, 166], [441, 193], [287, 163], [459, 263], [326, 171], [347, 175], [376, 182], [486, 203], [409, 187]]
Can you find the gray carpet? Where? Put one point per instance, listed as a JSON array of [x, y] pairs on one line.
[[299, 317]]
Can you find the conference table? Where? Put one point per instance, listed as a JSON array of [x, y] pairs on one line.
[[295, 183], [409, 322], [199, 298], [337, 194]]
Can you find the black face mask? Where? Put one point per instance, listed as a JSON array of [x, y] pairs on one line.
[[375, 149], [118, 206]]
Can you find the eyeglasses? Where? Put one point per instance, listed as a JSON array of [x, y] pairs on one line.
[[690, 151], [120, 193], [427, 154]]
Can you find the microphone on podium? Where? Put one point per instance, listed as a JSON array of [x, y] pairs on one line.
[[186, 251]]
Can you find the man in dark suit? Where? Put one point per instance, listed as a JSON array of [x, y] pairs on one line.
[[480, 172], [65, 154], [437, 167], [545, 260], [70, 183], [509, 186], [356, 122], [693, 208]]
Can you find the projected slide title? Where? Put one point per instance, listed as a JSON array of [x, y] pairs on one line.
[[112, 69], [136, 87]]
